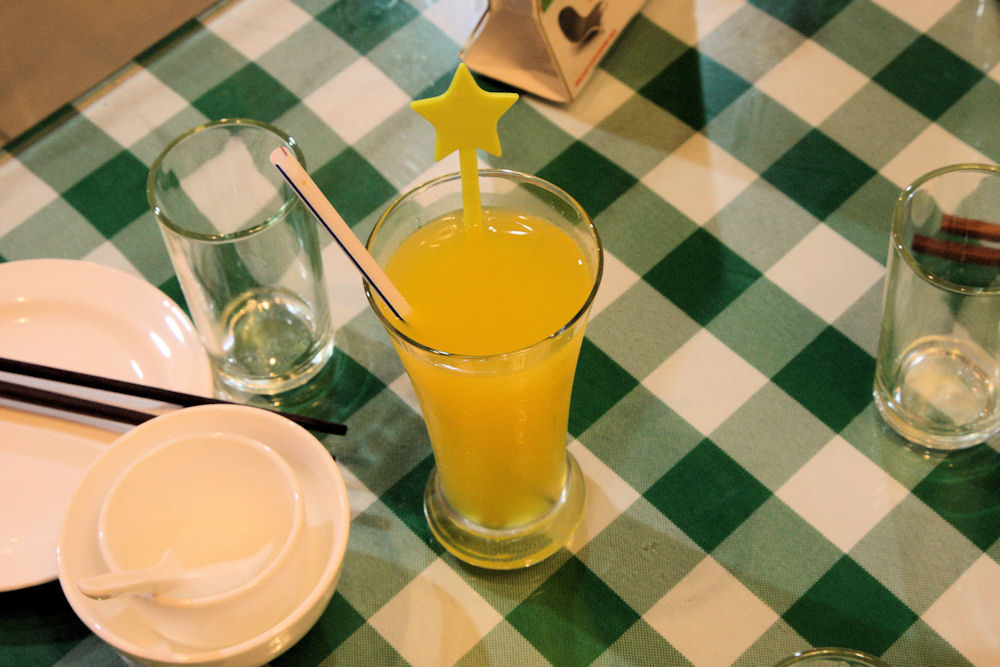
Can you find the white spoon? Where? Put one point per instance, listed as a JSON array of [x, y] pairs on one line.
[[169, 576]]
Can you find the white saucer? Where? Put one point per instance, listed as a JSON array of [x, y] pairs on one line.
[[327, 527], [92, 319]]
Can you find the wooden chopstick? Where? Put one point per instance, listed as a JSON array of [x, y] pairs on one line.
[[969, 228], [960, 252], [116, 413]]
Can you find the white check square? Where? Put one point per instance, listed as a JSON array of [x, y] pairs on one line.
[[336, 102], [688, 20], [128, 113], [710, 617], [704, 381], [812, 82], [967, 615], [921, 15], [931, 149], [842, 493], [699, 178], [826, 273], [23, 195], [255, 26], [608, 495], [436, 618]]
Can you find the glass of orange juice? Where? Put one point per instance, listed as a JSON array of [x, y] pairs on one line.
[[499, 307]]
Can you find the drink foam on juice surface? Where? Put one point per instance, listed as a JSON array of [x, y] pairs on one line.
[[499, 436]]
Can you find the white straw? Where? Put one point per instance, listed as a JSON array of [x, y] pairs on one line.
[[315, 201]]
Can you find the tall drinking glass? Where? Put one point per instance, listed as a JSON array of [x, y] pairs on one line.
[[246, 254], [937, 372], [494, 378]]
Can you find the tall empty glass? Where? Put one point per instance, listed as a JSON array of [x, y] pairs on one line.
[[246, 254], [937, 379], [494, 370]]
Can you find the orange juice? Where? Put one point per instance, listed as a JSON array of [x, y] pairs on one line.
[[497, 405]]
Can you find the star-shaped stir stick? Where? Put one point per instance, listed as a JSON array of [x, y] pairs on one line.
[[465, 118]]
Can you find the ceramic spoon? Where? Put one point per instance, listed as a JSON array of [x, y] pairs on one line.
[[169, 576]]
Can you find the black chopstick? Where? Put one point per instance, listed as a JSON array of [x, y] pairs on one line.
[[130, 389], [33, 395]]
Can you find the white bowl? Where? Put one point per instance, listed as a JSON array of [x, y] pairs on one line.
[[208, 498], [325, 534]]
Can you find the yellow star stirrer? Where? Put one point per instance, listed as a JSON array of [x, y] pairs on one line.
[[465, 118]]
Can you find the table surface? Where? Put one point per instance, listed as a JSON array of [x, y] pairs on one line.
[[740, 160]]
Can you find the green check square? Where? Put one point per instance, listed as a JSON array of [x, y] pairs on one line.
[[364, 24], [337, 622], [573, 617], [973, 118], [970, 30], [205, 61], [785, 436], [503, 644], [248, 93], [965, 490], [750, 58], [113, 195], [866, 50], [366, 647], [849, 607], [635, 66], [806, 16], [864, 218], [350, 387], [406, 499], [707, 494], [639, 228], [695, 88], [641, 646], [301, 70], [385, 440], [889, 125], [910, 532], [930, 90], [530, 146], [438, 55], [58, 228], [69, 152], [383, 557], [766, 307], [172, 288], [640, 438], [776, 129], [637, 542], [832, 377], [795, 174], [777, 554], [592, 179], [353, 185], [599, 384], [702, 276]]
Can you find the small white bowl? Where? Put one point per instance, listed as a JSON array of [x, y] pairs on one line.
[[209, 498], [327, 528]]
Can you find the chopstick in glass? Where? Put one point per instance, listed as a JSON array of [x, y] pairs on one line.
[[117, 413]]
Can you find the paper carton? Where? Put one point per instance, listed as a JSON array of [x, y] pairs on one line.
[[546, 47]]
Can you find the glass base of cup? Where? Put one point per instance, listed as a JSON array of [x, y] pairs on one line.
[[511, 548], [920, 439], [236, 385], [941, 393]]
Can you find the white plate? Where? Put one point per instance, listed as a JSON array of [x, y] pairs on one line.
[[327, 526], [87, 318]]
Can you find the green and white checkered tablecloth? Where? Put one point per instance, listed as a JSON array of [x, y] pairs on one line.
[[740, 159]]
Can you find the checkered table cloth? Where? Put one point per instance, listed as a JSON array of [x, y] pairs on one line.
[[740, 159]]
